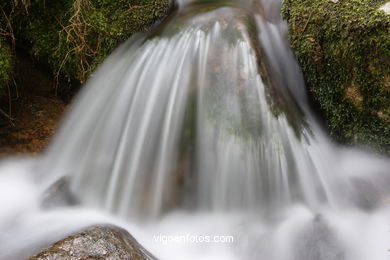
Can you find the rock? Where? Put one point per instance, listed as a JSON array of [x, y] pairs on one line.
[[317, 240], [96, 242], [59, 194]]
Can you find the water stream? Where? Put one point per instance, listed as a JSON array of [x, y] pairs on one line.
[[201, 128]]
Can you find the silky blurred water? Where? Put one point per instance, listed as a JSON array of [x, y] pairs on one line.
[[202, 128]]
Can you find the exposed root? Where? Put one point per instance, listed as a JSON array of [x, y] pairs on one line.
[[76, 34]]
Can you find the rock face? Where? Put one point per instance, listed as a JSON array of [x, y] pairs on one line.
[[343, 48], [97, 242]]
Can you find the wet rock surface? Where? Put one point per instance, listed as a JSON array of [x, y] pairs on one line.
[[59, 194], [96, 242]]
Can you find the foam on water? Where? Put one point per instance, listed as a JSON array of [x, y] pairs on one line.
[[203, 129]]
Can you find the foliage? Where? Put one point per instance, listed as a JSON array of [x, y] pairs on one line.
[[6, 53], [6, 65], [344, 51], [74, 36]]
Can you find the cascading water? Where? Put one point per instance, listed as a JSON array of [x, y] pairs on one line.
[[203, 127]]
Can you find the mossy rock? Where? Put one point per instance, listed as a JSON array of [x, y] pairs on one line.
[[343, 48], [74, 36]]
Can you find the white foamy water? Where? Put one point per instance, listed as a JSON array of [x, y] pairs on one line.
[[203, 130]]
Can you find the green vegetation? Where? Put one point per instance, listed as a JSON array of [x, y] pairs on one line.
[[74, 36], [344, 51], [6, 54], [85, 31], [6, 65]]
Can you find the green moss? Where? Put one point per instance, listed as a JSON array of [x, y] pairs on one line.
[[6, 65], [344, 51], [6, 53], [74, 36]]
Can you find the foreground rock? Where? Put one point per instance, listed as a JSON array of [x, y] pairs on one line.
[[343, 48], [97, 242]]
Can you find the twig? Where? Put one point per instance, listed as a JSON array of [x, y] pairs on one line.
[[10, 32], [16, 90], [76, 34], [138, 7], [11, 120], [307, 22], [57, 76], [9, 101]]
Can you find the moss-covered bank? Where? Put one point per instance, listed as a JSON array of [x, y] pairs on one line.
[[343, 48], [74, 36], [53, 45]]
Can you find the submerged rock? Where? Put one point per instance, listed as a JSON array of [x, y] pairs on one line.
[[59, 194], [96, 242], [317, 241]]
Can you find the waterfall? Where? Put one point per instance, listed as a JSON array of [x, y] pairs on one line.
[[203, 127]]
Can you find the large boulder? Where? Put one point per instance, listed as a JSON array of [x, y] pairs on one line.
[[96, 242], [343, 47]]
